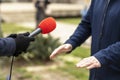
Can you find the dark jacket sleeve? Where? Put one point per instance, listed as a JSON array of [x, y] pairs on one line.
[[110, 55], [83, 31], [7, 46]]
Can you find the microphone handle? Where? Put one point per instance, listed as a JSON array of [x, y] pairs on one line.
[[35, 32]]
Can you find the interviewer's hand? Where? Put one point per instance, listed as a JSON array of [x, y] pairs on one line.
[[15, 35], [89, 63], [22, 43], [61, 49]]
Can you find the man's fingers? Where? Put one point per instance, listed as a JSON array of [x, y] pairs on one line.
[[89, 63], [56, 52], [83, 63], [25, 34], [62, 49], [91, 66]]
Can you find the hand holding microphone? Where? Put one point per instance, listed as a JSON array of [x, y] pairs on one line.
[[23, 40]]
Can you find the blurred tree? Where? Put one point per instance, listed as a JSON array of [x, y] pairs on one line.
[[42, 47], [40, 6]]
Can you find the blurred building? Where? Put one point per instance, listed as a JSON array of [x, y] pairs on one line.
[[24, 10], [54, 1], [16, 0]]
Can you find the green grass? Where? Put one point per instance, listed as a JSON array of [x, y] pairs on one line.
[[67, 69], [81, 52], [70, 68], [8, 28], [73, 20], [23, 74], [68, 64], [79, 74]]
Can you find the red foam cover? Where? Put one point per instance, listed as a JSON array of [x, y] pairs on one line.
[[47, 25]]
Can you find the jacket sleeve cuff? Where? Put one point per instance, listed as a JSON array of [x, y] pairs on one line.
[[101, 58], [8, 47], [73, 46]]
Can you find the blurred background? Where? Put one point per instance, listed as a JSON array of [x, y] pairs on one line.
[[18, 16]]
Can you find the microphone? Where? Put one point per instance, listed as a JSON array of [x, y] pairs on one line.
[[46, 26]]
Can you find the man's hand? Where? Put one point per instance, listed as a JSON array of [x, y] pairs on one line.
[[61, 49], [89, 63]]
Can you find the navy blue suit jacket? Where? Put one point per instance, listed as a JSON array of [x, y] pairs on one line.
[[102, 22], [7, 46]]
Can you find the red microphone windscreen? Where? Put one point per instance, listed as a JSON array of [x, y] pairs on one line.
[[47, 25]]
